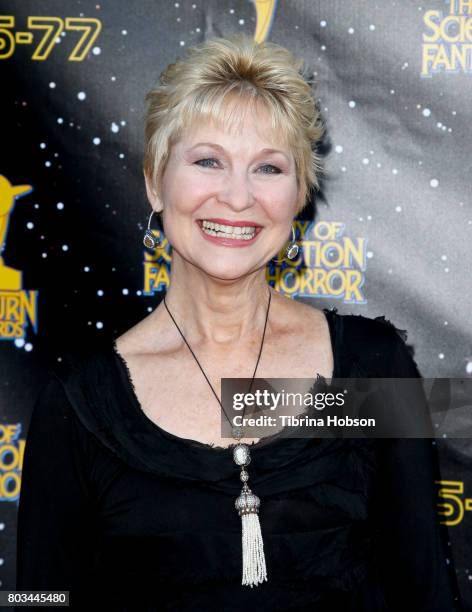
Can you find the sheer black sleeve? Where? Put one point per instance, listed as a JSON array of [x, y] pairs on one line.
[[413, 557], [55, 527]]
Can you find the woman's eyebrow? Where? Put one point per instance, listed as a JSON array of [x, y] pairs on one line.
[[214, 145]]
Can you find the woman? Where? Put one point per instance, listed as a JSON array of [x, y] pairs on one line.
[[132, 505]]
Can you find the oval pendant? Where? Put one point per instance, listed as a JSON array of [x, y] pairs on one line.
[[241, 454]]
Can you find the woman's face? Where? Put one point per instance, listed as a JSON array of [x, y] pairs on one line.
[[220, 186]]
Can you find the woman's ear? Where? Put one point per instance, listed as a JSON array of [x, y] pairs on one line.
[[151, 192]]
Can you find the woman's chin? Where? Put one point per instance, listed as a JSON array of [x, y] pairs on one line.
[[228, 271]]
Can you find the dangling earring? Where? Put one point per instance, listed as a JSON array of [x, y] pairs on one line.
[[149, 240], [291, 251]]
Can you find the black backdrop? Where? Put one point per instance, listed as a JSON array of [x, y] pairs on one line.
[[389, 233]]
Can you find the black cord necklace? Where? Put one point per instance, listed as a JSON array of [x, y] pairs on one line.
[[236, 431], [247, 504]]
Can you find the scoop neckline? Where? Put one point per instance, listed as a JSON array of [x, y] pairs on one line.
[[266, 442]]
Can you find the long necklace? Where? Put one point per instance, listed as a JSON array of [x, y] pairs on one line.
[[254, 569]]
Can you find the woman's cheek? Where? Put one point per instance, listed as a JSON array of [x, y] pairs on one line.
[[281, 195]]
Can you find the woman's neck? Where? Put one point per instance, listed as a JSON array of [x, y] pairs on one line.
[[218, 312]]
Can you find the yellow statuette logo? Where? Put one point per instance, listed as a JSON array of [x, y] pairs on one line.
[[15, 303], [265, 13]]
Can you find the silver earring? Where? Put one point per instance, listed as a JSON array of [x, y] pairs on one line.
[[291, 251], [149, 240]]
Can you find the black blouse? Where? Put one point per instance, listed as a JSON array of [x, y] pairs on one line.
[[129, 517]]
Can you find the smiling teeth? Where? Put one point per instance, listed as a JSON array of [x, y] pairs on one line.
[[228, 231]]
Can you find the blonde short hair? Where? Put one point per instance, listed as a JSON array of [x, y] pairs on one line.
[[220, 70]]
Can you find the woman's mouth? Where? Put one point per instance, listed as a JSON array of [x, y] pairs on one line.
[[229, 235]]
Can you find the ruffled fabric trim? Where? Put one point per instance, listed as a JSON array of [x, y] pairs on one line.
[[102, 395], [401, 332], [94, 388]]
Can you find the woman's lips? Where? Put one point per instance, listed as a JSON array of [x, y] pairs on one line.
[[231, 242]]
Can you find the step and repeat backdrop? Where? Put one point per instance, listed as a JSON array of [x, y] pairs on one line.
[[388, 234]]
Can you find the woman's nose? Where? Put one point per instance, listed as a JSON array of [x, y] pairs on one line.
[[237, 191]]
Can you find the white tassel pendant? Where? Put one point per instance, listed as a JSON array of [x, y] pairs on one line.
[[247, 505]]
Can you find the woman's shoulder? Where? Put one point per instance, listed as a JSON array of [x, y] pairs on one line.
[[84, 375], [357, 327], [81, 359], [376, 329], [87, 380], [372, 345]]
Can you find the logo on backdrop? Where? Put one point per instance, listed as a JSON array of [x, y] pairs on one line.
[[44, 32], [11, 461], [330, 264], [447, 41], [265, 13], [452, 505], [16, 304]]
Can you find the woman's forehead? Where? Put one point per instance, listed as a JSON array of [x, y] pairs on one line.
[[257, 125]]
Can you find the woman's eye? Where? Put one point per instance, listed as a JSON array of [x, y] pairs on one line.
[[202, 162], [266, 168], [273, 169]]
